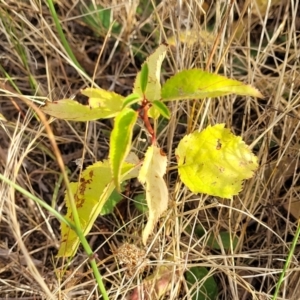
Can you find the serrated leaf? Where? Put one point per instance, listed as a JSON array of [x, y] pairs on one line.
[[144, 77], [151, 174], [204, 286], [162, 108], [120, 141], [131, 99], [68, 109], [90, 193], [105, 99], [215, 162], [153, 89], [199, 84]]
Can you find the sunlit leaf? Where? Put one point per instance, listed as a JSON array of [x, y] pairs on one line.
[[153, 88], [198, 84], [105, 99], [68, 109], [151, 174], [91, 192], [120, 141], [102, 104], [215, 162]]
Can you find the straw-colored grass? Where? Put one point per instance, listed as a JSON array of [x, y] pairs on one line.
[[255, 45]]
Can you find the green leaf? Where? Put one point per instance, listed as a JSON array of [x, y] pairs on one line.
[[153, 89], [112, 201], [131, 99], [91, 192], [140, 203], [215, 162], [144, 77], [120, 141], [99, 19], [225, 240], [162, 108], [212, 241], [199, 84], [204, 287], [68, 109]]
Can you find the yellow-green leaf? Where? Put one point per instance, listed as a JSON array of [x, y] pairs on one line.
[[90, 194], [105, 99], [151, 174], [131, 99], [215, 162], [153, 89], [120, 141], [153, 113], [68, 109], [102, 104], [199, 84]]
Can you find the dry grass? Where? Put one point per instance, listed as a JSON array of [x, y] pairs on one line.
[[264, 52]]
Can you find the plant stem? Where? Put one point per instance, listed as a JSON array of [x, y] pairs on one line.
[[148, 124]]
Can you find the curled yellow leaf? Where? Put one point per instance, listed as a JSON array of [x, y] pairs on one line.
[[151, 174]]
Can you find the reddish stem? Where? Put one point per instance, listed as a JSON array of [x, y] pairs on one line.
[[144, 109], [148, 124]]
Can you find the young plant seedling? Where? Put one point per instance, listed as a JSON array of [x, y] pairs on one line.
[[213, 161]]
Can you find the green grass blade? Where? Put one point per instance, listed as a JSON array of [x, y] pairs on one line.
[[287, 262], [62, 35]]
